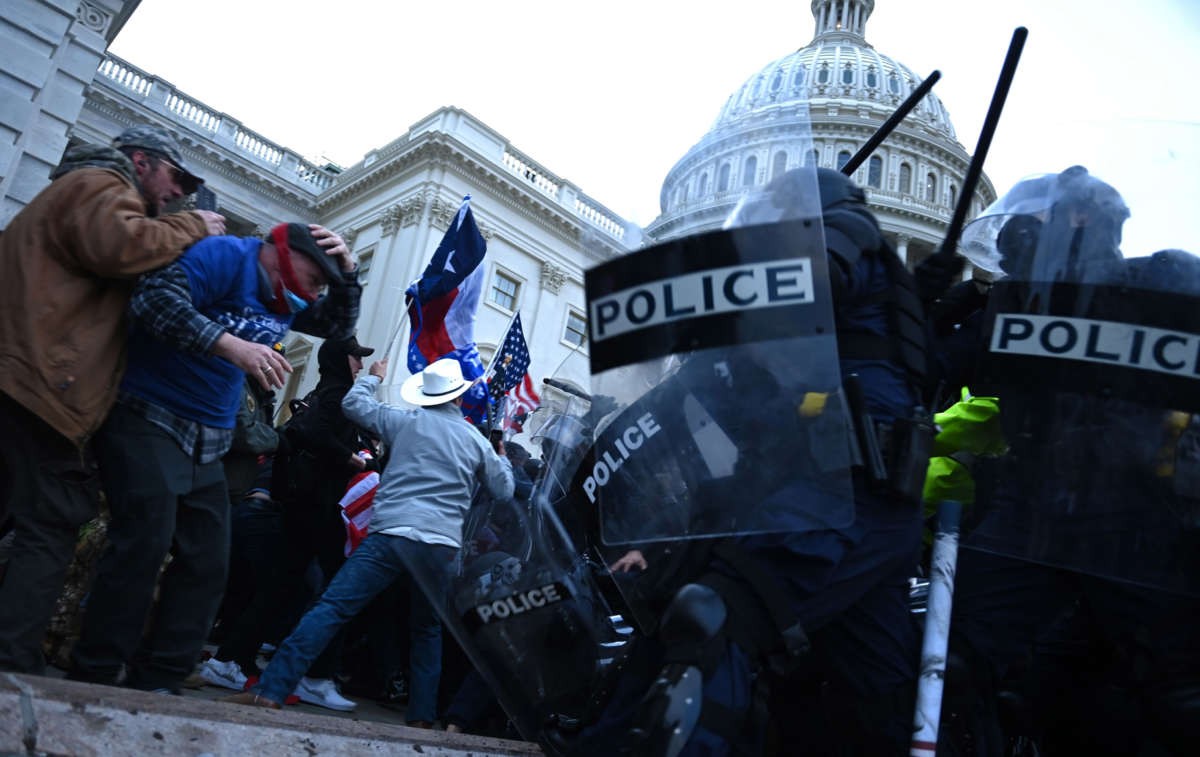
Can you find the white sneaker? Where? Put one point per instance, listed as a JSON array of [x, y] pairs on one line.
[[323, 693], [223, 673]]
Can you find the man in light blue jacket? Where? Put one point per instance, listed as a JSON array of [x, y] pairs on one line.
[[416, 529]]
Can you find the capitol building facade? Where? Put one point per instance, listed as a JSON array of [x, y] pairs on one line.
[[60, 87]]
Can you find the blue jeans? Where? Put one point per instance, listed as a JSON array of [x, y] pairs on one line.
[[378, 561]]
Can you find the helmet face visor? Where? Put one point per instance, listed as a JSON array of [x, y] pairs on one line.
[[1051, 227]]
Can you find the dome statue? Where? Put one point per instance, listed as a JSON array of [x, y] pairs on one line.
[[839, 89]]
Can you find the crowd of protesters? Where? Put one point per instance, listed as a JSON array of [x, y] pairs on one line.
[[139, 355]]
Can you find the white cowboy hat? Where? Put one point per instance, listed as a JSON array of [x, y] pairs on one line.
[[440, 382]]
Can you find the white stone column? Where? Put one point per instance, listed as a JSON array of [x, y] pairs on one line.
[[845, 14], [902, 241]]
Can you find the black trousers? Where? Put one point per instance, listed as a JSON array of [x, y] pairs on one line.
[[48, 491], [162, 501]]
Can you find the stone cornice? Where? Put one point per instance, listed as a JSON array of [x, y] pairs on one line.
[[493, 179]]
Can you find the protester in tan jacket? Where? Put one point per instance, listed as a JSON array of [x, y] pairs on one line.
[[70, 260]]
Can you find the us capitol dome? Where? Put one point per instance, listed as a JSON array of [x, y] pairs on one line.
[[912, 180]]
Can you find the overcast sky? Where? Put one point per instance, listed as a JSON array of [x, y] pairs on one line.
[[610, 95]]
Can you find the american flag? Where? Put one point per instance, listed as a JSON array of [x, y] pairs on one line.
[[510, 364], [521, 402]]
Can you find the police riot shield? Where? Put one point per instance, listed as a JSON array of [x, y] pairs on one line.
[[532, 608], [716, 356], [1093, 350]]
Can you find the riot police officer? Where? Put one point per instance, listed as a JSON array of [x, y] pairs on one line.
[[1087, 542], [825, 604]]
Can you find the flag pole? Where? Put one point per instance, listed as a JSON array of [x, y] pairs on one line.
[[399, 326]]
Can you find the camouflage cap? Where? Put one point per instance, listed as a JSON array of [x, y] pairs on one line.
[[159, 140]]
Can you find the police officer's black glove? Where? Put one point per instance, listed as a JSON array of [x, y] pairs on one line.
[[936, 274], [957, 304]]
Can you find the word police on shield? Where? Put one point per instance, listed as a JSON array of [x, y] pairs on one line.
[[714, 291], [1129, 345], [517, 604], [710, 290]]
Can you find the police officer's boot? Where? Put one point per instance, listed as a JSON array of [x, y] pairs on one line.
[[690, 630]]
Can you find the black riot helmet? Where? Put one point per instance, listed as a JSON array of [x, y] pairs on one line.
[[1051, 227], [1081, 239], [848, 224], [788, 197]]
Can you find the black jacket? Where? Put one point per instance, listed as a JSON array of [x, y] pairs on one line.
[[324, 441]]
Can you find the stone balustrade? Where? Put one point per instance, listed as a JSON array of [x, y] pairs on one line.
[[257, 146], [164, 99], [567, 195], [593, 213], [190, 110], [529, 170], [126, 76], [907, 201]]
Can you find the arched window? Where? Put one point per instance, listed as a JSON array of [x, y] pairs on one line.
[[894, 84], [953, 195], [813, 157], [847, 75], [723, 178], [843, 159], [930, 188], [757, 87], [780, 164], [749, 170], [905, 178], [823, 74], [798, 77], [872, 78], [703, 189], [875, 171], [777, 81]]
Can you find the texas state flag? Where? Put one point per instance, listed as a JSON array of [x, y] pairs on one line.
[[443, 305]]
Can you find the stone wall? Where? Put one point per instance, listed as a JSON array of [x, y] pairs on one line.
[[51, 51]]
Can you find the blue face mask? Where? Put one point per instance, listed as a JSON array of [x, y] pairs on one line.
[[295, 302]]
